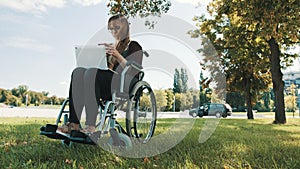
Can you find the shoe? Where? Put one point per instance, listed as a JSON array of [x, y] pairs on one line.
[[67, 128], [88, 130]]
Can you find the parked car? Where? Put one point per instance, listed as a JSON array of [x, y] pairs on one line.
[[212, 109]]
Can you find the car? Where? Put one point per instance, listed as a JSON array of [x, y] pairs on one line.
[[212, 109]]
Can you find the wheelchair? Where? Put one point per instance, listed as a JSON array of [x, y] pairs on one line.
[[134, 98]]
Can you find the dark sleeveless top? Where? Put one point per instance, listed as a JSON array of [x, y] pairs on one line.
[[133, 53]]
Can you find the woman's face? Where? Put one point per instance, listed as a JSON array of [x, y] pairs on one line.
[[118, 29]]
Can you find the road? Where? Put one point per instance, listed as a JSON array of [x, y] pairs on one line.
[[52, 113]]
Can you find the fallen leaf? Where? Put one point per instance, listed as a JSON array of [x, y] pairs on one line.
[[156, 157], [6, 149], [146, 160], [117, 159], [68, 161]]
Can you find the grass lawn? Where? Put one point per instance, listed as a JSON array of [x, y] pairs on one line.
[[236, 143]]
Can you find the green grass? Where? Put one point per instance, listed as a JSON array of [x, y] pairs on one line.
[[234, 144]]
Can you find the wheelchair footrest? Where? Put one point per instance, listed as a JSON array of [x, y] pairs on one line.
[[50, 131], [79, 137]]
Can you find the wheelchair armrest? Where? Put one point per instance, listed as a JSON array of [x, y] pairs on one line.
[[134, 65], [129, 64]]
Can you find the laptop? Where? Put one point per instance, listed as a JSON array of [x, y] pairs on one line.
[[91, 57]]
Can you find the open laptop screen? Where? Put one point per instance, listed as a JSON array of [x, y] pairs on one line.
[[91, 57]]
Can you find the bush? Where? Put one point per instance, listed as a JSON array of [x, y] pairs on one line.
[[13, 100]]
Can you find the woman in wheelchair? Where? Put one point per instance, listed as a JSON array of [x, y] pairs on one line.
[[89, 87]]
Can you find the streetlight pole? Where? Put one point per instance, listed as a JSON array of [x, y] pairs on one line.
[[26, 101], [174, 104]]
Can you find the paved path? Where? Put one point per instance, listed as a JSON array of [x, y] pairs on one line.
[[53, 113], [28, 112]]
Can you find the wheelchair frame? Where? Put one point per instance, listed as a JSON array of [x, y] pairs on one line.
[[107, 117]]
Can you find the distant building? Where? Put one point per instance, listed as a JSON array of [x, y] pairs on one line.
[[290, 78]]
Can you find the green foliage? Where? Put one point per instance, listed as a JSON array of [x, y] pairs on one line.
[[236, 101], [180, 81], [290, 99], [184, 79], [178, 101], [195, 98], [250, 38], [290, 103], [8, 98], [161, 99], [13, 100], [177, 84], [170, 100], [17, 97], [186, 101], [144, 102], [22, 90], [3, 95], [143, 8], [204, 90]]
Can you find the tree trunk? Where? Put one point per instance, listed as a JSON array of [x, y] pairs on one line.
[[278, 84], [248, 98]]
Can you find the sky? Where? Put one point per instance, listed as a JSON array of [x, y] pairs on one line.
[[37, 40]]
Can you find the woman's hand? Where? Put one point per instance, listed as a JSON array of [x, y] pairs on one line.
[[111, 50]]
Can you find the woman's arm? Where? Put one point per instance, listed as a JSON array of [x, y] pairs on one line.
[[134, 53]]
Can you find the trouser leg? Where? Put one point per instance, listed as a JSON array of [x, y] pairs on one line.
[[76, 92], [90, 99], [97, 86]]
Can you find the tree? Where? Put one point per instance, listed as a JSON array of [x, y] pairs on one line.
[[267, 101], [236, 100], [204, 90], [184, 79], [170, 99], [180, 81], [290, 100], [274, 23], [178, 101], [186, 101], [161, 99], [21, 92], [177, 84], [143, 8], [4, 94], [35, 98], [45, 93], [144, 102], [15, 92], [195, 98], [13, 100], [242, 62]]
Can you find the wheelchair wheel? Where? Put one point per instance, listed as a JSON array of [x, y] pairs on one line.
[[141, 112], [125, 141]]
